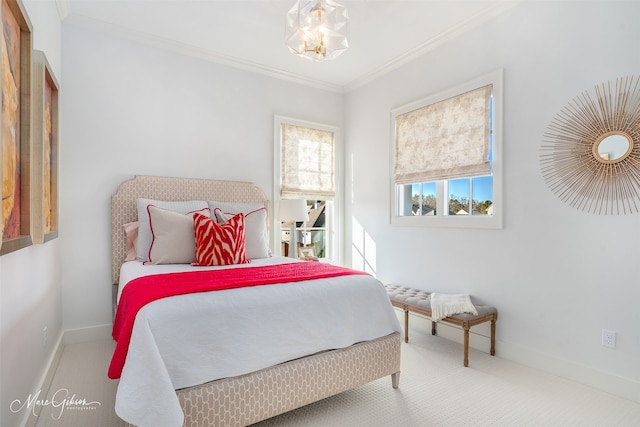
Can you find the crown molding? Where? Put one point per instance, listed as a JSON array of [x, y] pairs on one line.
[[485, 15], [193, 51], [158, 42]]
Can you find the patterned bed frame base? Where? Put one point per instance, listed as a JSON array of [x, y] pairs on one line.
[[248, 399]]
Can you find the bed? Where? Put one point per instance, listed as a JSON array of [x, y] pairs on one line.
[[256, 362]]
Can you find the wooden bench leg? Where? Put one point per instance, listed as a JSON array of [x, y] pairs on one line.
[[466, 325], [466, 328], [493, 337], [406, 325]]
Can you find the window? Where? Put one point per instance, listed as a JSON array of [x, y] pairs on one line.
[[445, 158], [306, 169]]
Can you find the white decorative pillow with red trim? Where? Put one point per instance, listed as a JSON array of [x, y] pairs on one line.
[[173, 239], [144, 230], [255, 230], [219, 244]]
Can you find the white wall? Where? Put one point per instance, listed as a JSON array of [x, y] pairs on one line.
[[30, 278], [557, 275], [129, 109]]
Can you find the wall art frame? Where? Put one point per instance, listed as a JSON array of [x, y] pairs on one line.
[[15, 117], [592, 160], [45, 132]]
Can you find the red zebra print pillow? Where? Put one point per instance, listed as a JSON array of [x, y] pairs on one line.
[[218, 244]]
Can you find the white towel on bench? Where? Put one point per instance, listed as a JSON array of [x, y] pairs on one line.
[[445, 305]]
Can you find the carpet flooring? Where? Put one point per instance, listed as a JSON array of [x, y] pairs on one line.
[[435, 390]]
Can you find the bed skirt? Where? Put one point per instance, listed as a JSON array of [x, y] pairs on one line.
[[248, 399]]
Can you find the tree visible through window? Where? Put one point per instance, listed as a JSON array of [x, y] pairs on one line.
[[444, 157]]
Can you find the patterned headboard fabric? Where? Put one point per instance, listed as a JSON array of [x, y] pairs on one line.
[[123, 203]]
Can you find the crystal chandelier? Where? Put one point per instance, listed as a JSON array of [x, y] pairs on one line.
[[317, 29]]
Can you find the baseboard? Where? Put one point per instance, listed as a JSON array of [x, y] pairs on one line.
[[94, 333], [603, 381], [45, 380], [70, 336], [479, 338]]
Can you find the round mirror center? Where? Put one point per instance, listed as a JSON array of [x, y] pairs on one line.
[[613, 147]]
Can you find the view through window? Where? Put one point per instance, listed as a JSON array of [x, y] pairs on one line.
[[305, 159], [444, 157]]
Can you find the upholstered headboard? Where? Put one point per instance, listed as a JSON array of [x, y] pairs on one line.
[[123, 203]]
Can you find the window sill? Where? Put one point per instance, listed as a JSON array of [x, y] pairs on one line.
[[493, 222]]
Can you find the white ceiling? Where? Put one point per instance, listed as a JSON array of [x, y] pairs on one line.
[[249, 34]]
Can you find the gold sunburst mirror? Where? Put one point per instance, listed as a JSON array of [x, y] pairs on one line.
[[591, 155]]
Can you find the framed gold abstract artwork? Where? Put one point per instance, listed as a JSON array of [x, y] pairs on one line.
[[15, 116], [44, 129]]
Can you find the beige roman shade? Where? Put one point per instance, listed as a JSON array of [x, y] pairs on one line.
[[307, 163], [445, 140]]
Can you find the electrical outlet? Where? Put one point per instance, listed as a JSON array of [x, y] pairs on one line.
[[608, 338], [44, 336]]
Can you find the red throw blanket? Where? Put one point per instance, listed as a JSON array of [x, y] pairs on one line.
[[146, 289]]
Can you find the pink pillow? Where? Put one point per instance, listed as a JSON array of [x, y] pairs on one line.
[[219, 244], [131, 232]]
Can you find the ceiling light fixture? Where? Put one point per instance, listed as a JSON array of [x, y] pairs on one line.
[[317, 29]]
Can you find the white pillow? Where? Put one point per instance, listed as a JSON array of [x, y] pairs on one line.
[[144, 231], [173, 237], [255, 225]]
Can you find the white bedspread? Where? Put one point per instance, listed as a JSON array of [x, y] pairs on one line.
[[187, 340]]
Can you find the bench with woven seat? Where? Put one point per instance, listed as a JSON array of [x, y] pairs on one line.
[[419, 301]]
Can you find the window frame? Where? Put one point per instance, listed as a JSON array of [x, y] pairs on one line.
[[333, 206], [494, 221]]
